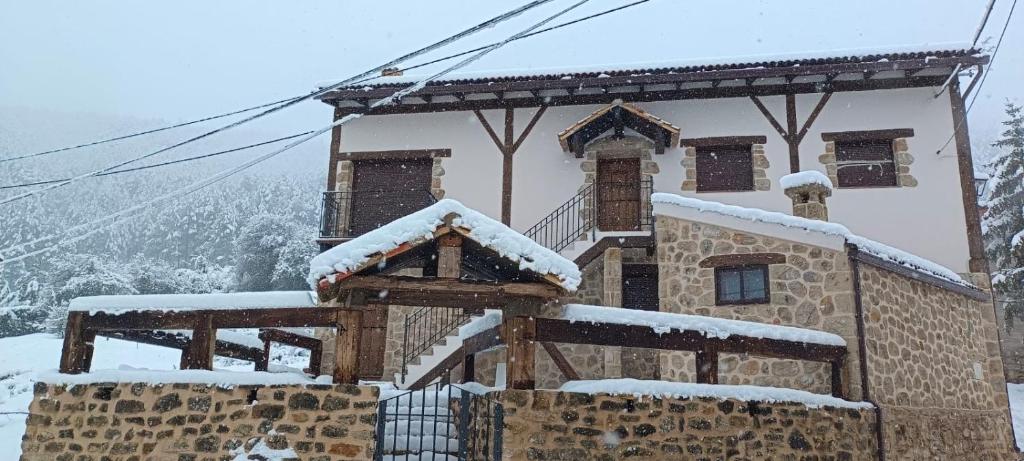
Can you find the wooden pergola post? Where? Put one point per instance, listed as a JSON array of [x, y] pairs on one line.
[[74, 356], [199, 355], [264, 362], [838, 389], [521, 332], [346, 346], [469, 368]]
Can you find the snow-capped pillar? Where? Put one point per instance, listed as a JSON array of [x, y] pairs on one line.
[[808, 191]]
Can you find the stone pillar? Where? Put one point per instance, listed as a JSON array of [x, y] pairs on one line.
[[612, 297], [809, 198]]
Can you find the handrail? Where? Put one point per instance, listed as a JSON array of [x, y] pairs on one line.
[[425, 327]]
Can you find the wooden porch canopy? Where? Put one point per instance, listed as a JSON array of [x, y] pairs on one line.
[[618, 116], [521, 334]]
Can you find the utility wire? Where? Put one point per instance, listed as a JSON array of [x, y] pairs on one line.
[[122, 215], [291, 102], [367, 79], [172, 162], [141, 133], [984, 77]]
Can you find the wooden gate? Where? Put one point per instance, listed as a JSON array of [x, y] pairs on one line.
[[618, 194], [371, 354]]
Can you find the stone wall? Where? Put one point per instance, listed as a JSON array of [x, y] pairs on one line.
[[934, 370], [551, 425], [812, 289], [198, 422]]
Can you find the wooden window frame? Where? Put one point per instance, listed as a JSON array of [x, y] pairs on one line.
[[743, 301], [895, 177], [702, 150]]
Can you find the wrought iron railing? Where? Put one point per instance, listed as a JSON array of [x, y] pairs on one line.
[[336, 209], [425, 327], [440, 422], [579, 216]]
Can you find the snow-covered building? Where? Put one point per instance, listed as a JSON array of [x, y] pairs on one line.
[[700, 188], [773, 258]]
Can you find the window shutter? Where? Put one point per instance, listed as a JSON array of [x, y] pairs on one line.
[[880, 173], [724, 168]]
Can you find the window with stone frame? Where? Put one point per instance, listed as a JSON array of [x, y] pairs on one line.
[[866, 163], [746, 284], [725, 168]]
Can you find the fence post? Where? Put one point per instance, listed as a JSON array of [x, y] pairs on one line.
[[381, 432], [199, 355], [346, 346], [73, 354], [463, 426]]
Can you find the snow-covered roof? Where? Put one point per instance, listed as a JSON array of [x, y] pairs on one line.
[[711, 327], [666, 389], [797, 228], [356, 254], [626, 67], [184, 302], [803, 178]]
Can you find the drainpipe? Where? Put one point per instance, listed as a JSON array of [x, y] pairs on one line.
[[851, 251]]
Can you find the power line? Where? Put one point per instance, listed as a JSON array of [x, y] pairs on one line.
[[172, 162], [124, 214], [984, 21], [486, 24], [367, 79], [141, 133], [992, 59], [984, 76]]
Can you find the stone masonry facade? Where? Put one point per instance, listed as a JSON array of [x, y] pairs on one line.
[[198, 422], [552, 425], [934, 370], [812, 289]]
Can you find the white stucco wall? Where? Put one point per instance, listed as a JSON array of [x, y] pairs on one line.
[[927, 220]]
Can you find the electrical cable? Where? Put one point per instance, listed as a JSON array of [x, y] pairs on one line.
[[486, 24], [126, 213], [172, 162]]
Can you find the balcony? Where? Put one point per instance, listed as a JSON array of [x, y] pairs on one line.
[[348, 214]]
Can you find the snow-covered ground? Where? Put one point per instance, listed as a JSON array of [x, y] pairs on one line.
[[24, 358]]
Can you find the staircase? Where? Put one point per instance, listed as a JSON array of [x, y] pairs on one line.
[[438, 423], [423, 352]]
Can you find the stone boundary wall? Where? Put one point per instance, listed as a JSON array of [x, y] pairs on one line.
[[934, 369], [198, 422], [554, 425]]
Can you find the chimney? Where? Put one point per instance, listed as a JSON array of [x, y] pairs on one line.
[[808, 191], [391, 72]]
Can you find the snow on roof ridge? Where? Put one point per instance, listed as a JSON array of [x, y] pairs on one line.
[[939, 47], [666, 389], [712, 327], [421, 224], [176, 302], [803, 178], [864, 244]]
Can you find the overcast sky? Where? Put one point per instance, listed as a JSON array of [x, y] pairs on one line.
[[182, 59]]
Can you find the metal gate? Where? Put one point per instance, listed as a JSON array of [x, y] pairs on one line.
[[441, 422]]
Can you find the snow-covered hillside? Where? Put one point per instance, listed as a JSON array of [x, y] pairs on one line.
[[22, 358]]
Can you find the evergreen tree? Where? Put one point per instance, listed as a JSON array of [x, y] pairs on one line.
[[1004, 222]]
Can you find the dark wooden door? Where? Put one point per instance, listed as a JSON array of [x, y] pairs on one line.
[[385, 190], [640, 286], [618, 194], [371, 347]]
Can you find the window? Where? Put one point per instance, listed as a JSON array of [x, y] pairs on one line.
[[724, 168], [741, 285], [865, 163]]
